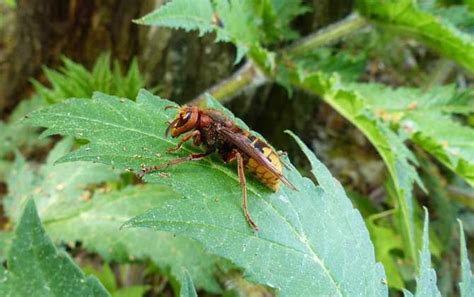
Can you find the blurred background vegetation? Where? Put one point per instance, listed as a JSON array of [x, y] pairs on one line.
[[55, 49]]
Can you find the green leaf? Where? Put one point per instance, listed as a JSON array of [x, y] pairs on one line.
[[385, 241], [405, 17], [348, 65], [425, 117], [5, 242], [390, 146], [296, 251], [53, 192], [37, 268], [4, 169], [96, 224], [14, 136], [245, 23], [71, 212], [281, 13], [448, 141], [458, 15], [466, 285], [74, 80], [187, 286], [182, 14], [107, 277], [132, 291], [426, 280]]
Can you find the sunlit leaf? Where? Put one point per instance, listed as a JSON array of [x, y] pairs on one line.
[[426, 280], [308, 237], [37, 268], [426, 118], [72, 212], [390, 146], [404, 17]]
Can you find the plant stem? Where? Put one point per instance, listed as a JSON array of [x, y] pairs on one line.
[[327, 35], [250, 76]]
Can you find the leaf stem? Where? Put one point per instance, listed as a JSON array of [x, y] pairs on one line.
[[250, 75], [327, 35], [382, 214]]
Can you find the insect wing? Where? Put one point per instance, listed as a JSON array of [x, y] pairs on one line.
[[242, 143]]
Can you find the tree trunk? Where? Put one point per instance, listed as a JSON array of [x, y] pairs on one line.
[[81, 30]]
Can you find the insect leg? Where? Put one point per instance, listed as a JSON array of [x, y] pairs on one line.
[[195, 134], [243, 185], [192, 157]]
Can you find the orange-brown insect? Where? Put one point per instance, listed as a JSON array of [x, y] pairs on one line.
[[217, 133]]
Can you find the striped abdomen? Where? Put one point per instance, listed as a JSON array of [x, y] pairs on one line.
[[261, 172]]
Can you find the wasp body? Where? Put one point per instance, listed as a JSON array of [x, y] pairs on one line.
[[214, 131]]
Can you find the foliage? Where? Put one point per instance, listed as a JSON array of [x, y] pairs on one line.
[[427, 117], [73, 208], [187, 288], [14, 136], [247, 24], [426, 281], [467, 278], [74, 80], [391, 148], [296, 252], [405, 17], [37, 268], [385, 241], [107, 278], [294, 245]]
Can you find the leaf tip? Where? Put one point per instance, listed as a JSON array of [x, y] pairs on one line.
[[140, 21]]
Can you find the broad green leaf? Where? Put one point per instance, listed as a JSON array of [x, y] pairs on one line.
[[183, 14], [390, 146], [71, 212], [97, 225], [426, 280], [245, 23], [403, 16], [425, 117], [187, 286], [54, 188], [392, 103], [466, 285], [306, 243], [37, 268], [242, 22]]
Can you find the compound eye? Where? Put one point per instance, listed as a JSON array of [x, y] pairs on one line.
[[184, 120], [187, 116]]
